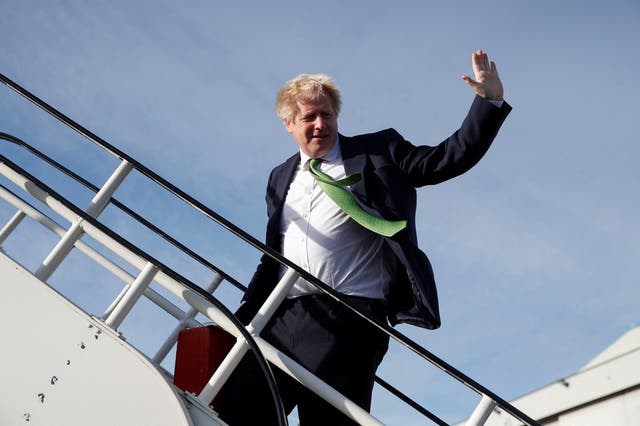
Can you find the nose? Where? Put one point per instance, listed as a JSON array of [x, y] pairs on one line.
[[319, 123]]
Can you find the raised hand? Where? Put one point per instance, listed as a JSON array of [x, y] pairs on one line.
[[487, 81]]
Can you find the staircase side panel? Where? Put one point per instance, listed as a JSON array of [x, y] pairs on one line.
[[60, 366]]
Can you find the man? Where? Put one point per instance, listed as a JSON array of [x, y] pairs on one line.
[[374, 262]]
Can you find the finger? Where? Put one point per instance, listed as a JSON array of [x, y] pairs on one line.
[[471, 82], [478, 57], [476, 62], [485, 60], [494, 68]]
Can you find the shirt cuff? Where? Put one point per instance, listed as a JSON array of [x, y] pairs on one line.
[[496, 103]]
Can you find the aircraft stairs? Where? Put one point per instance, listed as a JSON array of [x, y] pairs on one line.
[[64, 366]]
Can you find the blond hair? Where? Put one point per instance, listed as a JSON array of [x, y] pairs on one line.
[[306, 87]]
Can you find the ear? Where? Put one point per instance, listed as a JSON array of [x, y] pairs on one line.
[[289, 125]]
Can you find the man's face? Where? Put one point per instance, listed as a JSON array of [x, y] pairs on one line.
[[314, 127]]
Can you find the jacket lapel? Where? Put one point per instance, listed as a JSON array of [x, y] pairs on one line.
[[353, 158], [280, 184]]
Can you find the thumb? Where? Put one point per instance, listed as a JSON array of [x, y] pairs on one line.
[[471, 82]]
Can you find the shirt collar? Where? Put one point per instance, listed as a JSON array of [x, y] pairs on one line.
[[332, 156]]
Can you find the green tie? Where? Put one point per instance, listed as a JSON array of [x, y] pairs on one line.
[[344, 200]]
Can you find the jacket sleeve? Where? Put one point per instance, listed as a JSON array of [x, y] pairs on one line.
[[428, 165], [266, 275], [259, 288]]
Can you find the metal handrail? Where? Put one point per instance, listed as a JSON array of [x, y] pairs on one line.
[[199, 206], [145, 222], [175, 276]]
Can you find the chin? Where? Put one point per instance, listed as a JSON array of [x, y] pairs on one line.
[[321, 153], [322, 149]]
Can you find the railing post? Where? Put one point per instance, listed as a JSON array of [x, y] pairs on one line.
[[60, 251], [482, 412], [102, 197], [274, 300], [97, 204], [135, 291], [11, 225]]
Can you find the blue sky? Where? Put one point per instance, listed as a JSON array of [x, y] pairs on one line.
[[535, 250]]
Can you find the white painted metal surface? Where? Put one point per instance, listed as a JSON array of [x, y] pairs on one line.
[[482, 412], [604, 392], [132, 296], [132, 292], [62, 367], [623, 410], [97, 205]]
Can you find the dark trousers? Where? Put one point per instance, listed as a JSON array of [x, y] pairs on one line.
[[329, 340]]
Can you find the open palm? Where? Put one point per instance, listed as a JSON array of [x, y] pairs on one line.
[[487, 81]]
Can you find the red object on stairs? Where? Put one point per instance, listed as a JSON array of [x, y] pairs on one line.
[[199, 353]]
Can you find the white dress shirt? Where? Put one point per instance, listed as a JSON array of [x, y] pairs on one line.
[[323, 240]]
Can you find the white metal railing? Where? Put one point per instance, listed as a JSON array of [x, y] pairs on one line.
[[84, 222], [151, 270], [73, 234], [482, 411], [284, 363]]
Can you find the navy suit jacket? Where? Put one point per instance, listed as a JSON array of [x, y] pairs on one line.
[[391, 169]]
